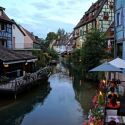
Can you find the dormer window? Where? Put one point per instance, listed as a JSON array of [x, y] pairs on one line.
[[0, 12]]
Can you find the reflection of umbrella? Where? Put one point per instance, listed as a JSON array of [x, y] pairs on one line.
[[119, 63], [105, 67]]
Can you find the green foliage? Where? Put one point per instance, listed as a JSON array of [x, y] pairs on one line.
[[75, 59], [27, 77], [101, 75], [98, 112], [4, 79], [68, 59], [53, 53], [60, 32], [100, 100], [92, 52], [41, 59], [47, 57]]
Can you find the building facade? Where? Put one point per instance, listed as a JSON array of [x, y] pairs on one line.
[[120, 29], [5, 29], [100, 15]]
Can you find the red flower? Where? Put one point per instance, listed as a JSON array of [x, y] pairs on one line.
[[111, 6], [92, 16], [86, 19], [106, 17], [97, 6], [93, 8]]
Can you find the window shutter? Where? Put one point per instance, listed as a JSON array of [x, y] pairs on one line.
[[120, 18], [116, 20], [124, 17], [0, 26]]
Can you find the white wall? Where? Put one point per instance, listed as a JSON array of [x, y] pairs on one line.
[[19, 37]]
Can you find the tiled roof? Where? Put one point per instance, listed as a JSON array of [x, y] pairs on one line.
[[108, 32], [95, 15], [5, 17], [8, 55], [31, 36]]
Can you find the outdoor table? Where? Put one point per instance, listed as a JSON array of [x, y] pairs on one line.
[[119, 118], [123, 121]]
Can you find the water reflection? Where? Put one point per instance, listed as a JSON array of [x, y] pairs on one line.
[[67, 103], [13, 114]]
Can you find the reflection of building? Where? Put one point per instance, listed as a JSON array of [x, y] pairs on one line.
[[84, 93], [15, 113]]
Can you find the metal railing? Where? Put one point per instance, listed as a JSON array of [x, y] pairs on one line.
[[26, 46]]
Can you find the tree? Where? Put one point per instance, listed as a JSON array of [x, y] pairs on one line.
[[94, 50], [60, 32], [53, 53], [49, 38]]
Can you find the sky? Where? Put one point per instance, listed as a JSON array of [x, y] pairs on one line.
[[44, 16]]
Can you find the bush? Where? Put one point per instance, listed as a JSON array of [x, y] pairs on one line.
[[47, 57], [100, 100], [101, 75], [53, 53], [41, 58], [4, 79]]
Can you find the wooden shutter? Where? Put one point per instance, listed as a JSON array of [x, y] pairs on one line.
[[120, 18], [116, 20], [5, 27]]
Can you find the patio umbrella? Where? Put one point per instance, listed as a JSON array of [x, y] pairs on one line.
[[119, 63], [105, 67]]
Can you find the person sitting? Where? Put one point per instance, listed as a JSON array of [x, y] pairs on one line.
[[115, 83], [112, 85], [112, 93], [113, 103], [112, 123]]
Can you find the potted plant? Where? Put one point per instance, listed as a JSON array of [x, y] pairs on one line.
[[4, 79], [93, 8], [92, 16], [97, 6], [27, 77], [111, 6], [106, 17], [86, 19], [77, 34], [82, 21]]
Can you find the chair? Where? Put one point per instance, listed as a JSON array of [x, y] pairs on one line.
[[122, 112], [111, 112]]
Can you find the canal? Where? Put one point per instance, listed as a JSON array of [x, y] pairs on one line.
[[64, 99]]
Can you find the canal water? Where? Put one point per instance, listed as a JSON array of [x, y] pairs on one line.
[[64, 99]]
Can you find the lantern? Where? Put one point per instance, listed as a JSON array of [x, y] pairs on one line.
[[26, 63], [6, 65], [104, 81], [33, 61], [100, 93]]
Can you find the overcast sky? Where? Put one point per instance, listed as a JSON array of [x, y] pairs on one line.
[[43, 16]]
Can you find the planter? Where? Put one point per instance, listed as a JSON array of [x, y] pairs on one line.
[[86, 19], [93, 8], [111, 6], [111, 33], [82, 21], [106, 17], [77, 34], [92, 16], [97, 6]]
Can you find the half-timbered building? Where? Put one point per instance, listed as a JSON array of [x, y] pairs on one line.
[[5, 29], [100, 15]]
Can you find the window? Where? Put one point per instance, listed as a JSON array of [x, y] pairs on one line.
[[112, 29], [4, 43], [13, 27], [105, 13], [2, 26], [0, 13], [81, 32], [118, 15]]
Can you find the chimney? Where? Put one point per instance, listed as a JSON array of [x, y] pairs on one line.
[[32, 33], [36, 37], [58, 37]]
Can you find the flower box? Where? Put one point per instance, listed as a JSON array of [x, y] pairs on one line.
[[86, 19], [92, 16], [82, 21], [27, 77], [111, 6], [93, 8], [97, 6], [106, 17], [4, 79], [77, 34], [111, 33]]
